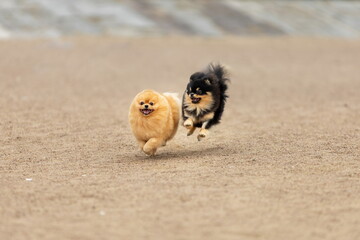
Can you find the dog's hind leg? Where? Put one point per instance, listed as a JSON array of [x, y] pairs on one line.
[[152, 145], [191, 131]]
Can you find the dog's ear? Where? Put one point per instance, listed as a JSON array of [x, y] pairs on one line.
[[197, 76], [208, 81]]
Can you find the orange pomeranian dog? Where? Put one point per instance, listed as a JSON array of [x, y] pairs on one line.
[[154, 119]]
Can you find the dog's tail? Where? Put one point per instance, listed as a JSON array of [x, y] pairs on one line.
[[221, 74]]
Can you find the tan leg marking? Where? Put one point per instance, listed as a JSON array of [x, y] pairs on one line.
[[207, 117]]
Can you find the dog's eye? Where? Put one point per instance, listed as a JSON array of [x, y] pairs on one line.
[[151, 103], [199, 92], [141, 103]]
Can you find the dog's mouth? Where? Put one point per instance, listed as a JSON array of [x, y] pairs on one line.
[[146, 111], [195, 100]]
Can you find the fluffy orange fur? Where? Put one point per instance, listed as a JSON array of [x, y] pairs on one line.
[[155, 129]]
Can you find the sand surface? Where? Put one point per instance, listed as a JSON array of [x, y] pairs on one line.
[[284, 163]]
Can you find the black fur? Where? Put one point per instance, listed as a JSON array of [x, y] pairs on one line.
[[213, 80]]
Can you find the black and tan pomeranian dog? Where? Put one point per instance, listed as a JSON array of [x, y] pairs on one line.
[[204, 99]]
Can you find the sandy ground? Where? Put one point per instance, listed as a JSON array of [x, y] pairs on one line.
[[284, 163]]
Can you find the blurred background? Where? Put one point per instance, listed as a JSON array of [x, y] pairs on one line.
[[51, 18]]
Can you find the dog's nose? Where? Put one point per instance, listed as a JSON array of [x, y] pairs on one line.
[[191, 94], [146, 106]]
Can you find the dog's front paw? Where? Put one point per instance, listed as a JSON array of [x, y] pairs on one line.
[[188, 123], [149, 151], [202, 134]]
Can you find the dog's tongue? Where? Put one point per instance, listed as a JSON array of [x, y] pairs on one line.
[[146, 111], [195, 100]]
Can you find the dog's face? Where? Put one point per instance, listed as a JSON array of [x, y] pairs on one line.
[[147, 102], [199, 89]]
